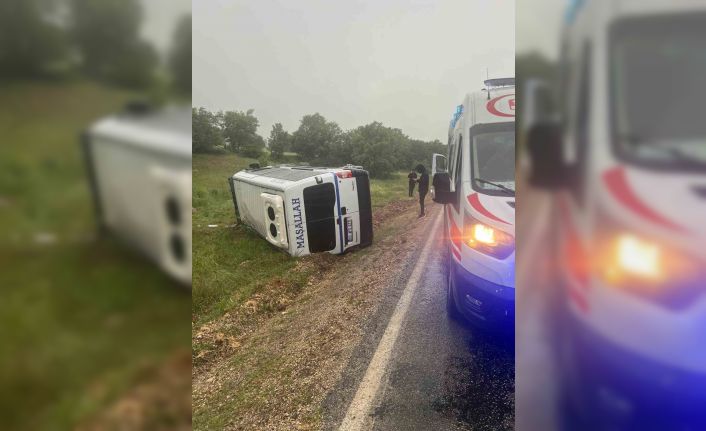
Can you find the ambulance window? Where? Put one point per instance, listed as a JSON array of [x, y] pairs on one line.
[[453, 151], [457, 171]]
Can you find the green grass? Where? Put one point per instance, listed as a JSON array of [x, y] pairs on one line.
[[390, 189], [233, 263], [230, 263], [80, 319]]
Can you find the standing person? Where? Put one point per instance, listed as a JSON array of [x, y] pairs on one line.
[[412, 180], [423, 187]]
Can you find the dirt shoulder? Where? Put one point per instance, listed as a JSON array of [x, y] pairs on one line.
[[271, 363]]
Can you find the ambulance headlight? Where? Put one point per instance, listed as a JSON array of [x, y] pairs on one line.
[[487, 240], [637, 257], [633, 261]]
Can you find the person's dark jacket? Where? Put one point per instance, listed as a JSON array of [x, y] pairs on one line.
[[424, 183], [412, 177]]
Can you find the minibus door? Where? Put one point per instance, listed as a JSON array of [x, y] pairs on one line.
[[350, 212]]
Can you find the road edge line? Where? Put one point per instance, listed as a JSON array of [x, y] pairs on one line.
[[358, 410]]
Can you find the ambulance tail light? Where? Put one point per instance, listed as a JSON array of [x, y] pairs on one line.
[[487, 239]]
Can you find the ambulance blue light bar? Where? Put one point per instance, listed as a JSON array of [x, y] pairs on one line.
[[456, 115], [573, 10]]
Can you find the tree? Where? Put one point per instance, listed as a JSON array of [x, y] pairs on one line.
[[205, 135], [377, 148], [416, 151], [30, 44], [107, 36], [254, 148], [180, 56], [279, 141], [240, 131], [315, 137]]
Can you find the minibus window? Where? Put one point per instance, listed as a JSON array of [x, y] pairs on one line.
[[319, 206]]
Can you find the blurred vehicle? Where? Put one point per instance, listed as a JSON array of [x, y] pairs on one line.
[[479, 192], [306, 210], [628, 162], [139, 164]]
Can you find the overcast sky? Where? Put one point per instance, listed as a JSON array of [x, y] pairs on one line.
[[538, 26], [406, 63], [160, 20]]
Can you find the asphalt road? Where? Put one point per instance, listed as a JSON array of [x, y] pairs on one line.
[[419, 370]]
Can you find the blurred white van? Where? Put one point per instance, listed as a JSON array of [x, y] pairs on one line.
[[139, 166]]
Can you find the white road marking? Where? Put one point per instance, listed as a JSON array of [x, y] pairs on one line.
[[534, 367], [358, 414]]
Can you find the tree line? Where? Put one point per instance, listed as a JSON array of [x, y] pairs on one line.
[[380, 149], [99, 39]]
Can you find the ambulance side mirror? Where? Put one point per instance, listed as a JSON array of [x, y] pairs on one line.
[[544, 146], [542, 128], [442, 189]]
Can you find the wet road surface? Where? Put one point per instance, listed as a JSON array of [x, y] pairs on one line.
[[438, 374]]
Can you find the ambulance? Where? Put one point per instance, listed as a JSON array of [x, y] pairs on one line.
[[627, 163], [304, 210], [476, 182]]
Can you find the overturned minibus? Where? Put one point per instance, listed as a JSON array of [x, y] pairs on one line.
[[306, 210], [138, 163]]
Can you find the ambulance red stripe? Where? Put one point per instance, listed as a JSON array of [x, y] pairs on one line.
[[492, 106], [456, 253], [455, 233], [474, 200], [575, 256], [617, 183]]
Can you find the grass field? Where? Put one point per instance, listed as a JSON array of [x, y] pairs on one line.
[[233, 263], [82, 321]]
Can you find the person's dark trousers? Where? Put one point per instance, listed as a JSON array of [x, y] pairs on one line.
[[421, 202], [411, 189]]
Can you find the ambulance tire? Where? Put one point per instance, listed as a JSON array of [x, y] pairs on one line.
[[451, 307]]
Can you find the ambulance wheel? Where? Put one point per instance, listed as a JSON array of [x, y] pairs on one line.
[[451, 307]]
